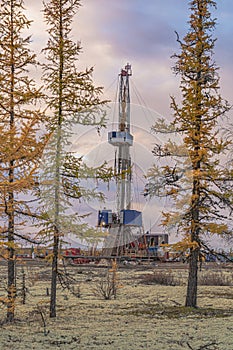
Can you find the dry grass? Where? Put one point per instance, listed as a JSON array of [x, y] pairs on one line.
[[143, 316], [162, 278], [216, 279]]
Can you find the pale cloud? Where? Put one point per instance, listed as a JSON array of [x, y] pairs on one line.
[[113, 33]]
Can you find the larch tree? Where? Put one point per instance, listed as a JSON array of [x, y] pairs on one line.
[[20, 144], [72, 99], [197, 180]]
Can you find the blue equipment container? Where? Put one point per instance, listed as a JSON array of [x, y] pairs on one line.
[[104, 218], [131, 217]]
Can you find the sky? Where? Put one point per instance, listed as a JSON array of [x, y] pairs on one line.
[[141, 32]]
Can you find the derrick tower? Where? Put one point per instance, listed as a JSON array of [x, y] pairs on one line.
[[122, 140], [125, 224]]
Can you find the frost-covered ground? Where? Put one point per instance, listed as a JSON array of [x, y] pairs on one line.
[[141, 317]]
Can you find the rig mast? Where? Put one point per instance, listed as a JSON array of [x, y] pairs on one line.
[[125, 225], [122, 139]]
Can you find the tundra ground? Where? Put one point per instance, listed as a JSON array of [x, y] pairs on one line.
[[144, 315]]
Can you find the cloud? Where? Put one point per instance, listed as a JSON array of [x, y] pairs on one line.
[[128, 27], [141, 32]]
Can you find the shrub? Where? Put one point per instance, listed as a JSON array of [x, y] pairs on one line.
[[215, 279], [160, 277], [108, 285]]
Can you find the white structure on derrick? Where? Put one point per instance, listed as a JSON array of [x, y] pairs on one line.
[[125, 225]]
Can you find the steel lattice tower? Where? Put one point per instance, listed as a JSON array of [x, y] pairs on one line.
[[124, 225], [123, 140]]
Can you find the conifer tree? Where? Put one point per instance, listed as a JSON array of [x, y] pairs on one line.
[[19, 122], [72, 99], [201, 173]]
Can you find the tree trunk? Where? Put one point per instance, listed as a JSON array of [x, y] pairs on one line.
[[191, 295], [54, 275], [57, 172], [11, 288]]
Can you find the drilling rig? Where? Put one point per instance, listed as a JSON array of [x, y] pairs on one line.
[[124, 225]]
